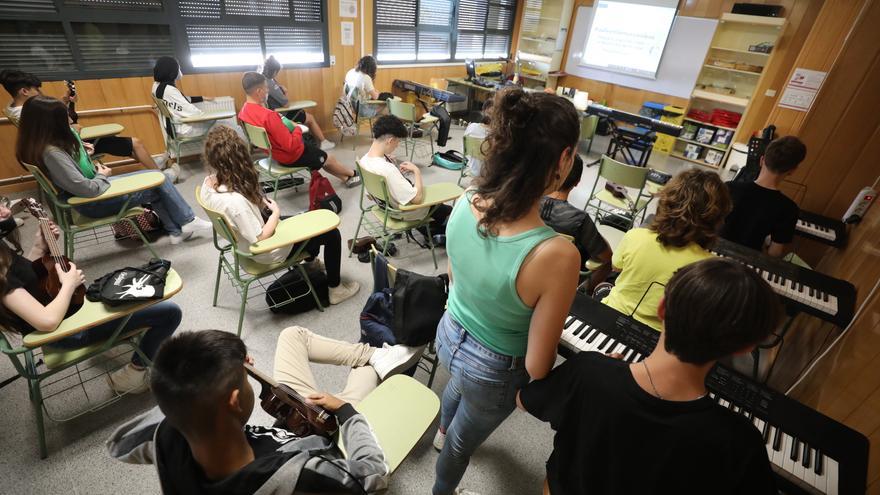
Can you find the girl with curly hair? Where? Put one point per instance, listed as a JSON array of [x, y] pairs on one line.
[[690, 212], [234, 190]]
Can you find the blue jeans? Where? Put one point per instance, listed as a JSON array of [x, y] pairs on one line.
[[162, 318], [480, 395], [166, 201]]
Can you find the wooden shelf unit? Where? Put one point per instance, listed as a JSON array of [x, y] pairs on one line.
[[542, 24], [733, 37]]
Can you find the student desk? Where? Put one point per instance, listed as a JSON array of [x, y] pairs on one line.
[[297, 105], [124, 185], [207, 117], [99, 131], [472, 91], [436, 194], [297, 228]]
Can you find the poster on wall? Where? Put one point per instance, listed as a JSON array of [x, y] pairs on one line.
[[347, 33], [348, 8], [802, 88]]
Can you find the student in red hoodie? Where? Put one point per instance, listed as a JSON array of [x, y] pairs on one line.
[[288, 146]]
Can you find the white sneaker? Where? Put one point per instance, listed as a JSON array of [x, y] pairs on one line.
[[461, 491], [439, 440], [178, 238], [327, 145], [128, 379], [315, 265], [343, 291], [353, 181], [196, 225], [390, 360]]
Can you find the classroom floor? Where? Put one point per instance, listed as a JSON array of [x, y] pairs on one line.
[[511, 461]]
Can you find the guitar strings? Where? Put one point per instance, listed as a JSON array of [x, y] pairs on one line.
[[53, 245]]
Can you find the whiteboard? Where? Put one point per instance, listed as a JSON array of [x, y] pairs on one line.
[[679, 68]]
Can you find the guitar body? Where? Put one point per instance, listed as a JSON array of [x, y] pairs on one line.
[[49, 285]]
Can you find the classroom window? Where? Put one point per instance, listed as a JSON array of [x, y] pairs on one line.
[[442, 30]]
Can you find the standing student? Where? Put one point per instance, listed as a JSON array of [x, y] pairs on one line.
[[288, 146], [23, 85], [278, 98], [22, 312], [234, 190], [690, 211], [760, 209], [512, 278], [479, 130], [649, 427], [46, 140]]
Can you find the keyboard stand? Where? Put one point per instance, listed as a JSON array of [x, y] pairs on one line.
[[628, 141]]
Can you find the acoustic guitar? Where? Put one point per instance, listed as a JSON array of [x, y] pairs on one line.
[[291, 409], [47, 277]]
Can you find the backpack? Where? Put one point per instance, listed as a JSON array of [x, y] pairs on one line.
[[418, 303], [322, 195], [147, 222], [449, 159], [292, 284], [345, 117], [130, 284]]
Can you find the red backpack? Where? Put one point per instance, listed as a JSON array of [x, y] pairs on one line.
[[322, 194]]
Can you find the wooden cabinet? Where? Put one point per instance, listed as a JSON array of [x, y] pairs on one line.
[[542, 37]]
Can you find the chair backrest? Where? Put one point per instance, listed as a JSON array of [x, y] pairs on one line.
[[402, 110], [258, 137], [623, 174], [473, 146], [164, 116], [588, 127], [222, 226], [374, 184], [45, 184]]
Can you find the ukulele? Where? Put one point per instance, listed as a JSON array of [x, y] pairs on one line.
[[291, 409], [71, 105], [44, 267]]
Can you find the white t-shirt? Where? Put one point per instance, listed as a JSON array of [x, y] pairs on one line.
[[244, 218], [479, 131], [14, 113], [361, 82], [400, 189], [180, 108]]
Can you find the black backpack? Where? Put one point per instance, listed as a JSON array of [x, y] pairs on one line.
[[131, 284], [292, 284]]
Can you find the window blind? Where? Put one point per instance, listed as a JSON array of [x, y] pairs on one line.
[[114, 46], [37, 47], [200, 9], [117, 4], [27, 6], [294, 45], [224, 45]]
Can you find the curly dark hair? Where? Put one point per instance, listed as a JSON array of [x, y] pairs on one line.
[[367, 65], [528, 135], [692, 206], [227, 154]]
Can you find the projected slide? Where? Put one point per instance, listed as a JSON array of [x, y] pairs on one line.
[[628, 37]]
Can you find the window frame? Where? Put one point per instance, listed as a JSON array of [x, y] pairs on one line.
[[169, 16], [452, 29]]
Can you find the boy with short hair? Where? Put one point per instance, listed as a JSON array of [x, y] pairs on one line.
[[199, 438], [649, 427], [288, 146], [759, 208]]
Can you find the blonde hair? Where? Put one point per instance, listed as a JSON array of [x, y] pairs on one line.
[[691, 208], [227, 154]]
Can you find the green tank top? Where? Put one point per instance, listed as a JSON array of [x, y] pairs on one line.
[[483, 296]]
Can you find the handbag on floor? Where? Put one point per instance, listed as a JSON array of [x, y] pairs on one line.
[[147, 222], [322, 195], [131, 284], [292, 284]]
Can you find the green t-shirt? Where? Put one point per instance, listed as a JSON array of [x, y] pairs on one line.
[[83, 159]]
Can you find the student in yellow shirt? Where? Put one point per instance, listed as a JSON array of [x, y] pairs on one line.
[[691, 210]]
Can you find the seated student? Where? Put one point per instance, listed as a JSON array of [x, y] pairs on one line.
[[563, 217], [234, 190], [24, 313], [204, 445], [479, 130], [388, 130], [759, 208], [46, 140], [691, 208], [278, 99], [288, 146], [649, 427], [166, 73], [359, 87], [22, 85]]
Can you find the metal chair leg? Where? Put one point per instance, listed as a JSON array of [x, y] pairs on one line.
[[243, 306], [217, 280], [37, 403], [305, 277], [356, 232]]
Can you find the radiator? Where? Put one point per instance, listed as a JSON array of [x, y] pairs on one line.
[[220, 104]]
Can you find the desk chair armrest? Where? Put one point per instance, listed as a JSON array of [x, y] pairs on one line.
[[93, 314], [297, 105], [124, 185], [297, 229], [206, 117], [436, 194]]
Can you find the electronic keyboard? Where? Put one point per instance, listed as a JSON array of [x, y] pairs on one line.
[[634, 119], [809, 452], [422, 90], [802, 289], [823, 229]]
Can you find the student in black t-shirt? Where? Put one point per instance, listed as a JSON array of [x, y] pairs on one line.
[[563, 217], [649, 427], [759, 208]]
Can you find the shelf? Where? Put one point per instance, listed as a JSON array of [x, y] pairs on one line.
[[539, 40], [554, 19], [756, 20], [700, 122], [710, 146], [745, 52], [533, 57], [698, 162], [533, 78], [728, 99], [756, 74]]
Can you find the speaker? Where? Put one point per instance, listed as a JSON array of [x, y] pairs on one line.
[[757, 9]]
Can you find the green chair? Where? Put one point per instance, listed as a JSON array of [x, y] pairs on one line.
[[73, 224], [172, 139], [268, 166], [632, 177], [407, 113], [382, 220], [376, 107], [588, 130], [35, 360], [400, 410], [428, 362], [242, 270], [472, 147]]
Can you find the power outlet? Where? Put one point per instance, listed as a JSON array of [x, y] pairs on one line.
[[770, 93], [332, 60], [860, 205]]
